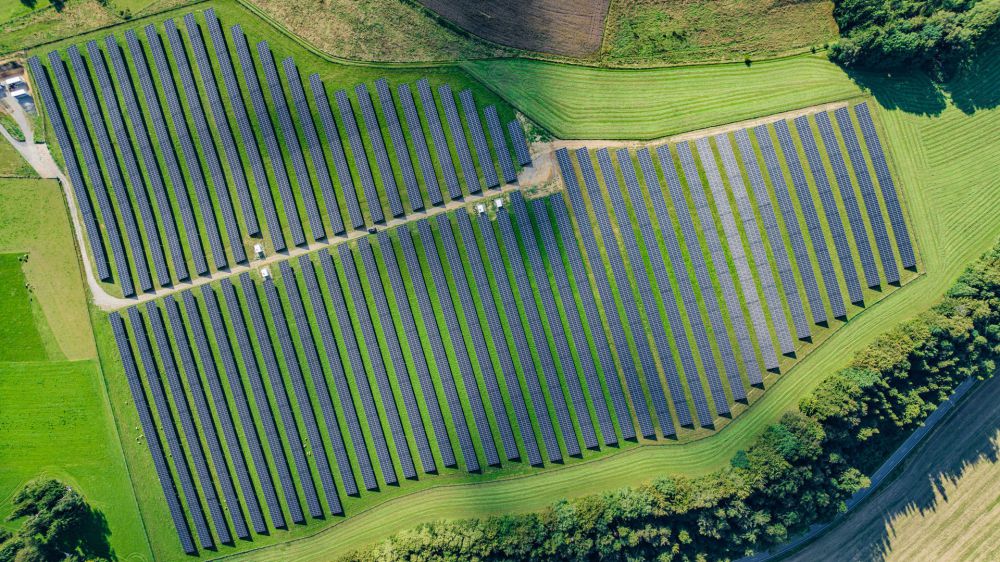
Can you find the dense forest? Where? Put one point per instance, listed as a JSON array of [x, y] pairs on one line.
[[938, 36], [799, 472]]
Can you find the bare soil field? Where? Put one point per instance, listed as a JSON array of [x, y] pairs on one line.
[[944, 505], [573, 29]]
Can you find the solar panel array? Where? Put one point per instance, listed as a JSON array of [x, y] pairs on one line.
[[702, 275], [849, 199], [868, 195], [391, 341], [688, 297], [604, 289], [48, 98], [313, 144], [246, 135], [520, 143], [183, 133], [552, 316], [205, 159], [263, 120], [117, 124], [830, 209], [500, 144], [642, 281], [442, 364], [399, 143], [416, 130], [458, 342], [893, 208], [483, 359], [654, 387], [479, 138], [222, 123], [458, 139], [813, 224], [495, 325], [537, 330]]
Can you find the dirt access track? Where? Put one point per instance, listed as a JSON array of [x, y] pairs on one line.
[[546, 26]]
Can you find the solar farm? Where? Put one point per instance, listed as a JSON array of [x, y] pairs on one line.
[[420, 317]]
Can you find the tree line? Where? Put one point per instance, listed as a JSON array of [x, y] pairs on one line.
[[939, 36], [800, 471]]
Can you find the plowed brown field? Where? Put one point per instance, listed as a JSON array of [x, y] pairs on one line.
[[547, 26]]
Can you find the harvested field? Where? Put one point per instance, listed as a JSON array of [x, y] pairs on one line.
[[572, 29], [942, 506]]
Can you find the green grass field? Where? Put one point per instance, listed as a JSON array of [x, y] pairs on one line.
[[947, 171], [55, 418], [335, 76]]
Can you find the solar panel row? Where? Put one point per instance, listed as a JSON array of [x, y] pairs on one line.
[[458, 345], [332, 133], [653, 384], [117, 123], [495, 326], [830, 209], [761, 261], [657, 326], [813, 225], [590, 311], [399, 144], [360, 159], [290, 138], [339, 377], [94, 171], [197, 455], [474, 324], [107, 153], [520, 143], [203, 135], [354, 285], [378, 147], [868, 194], [197, 392], [246, 134], [415, 348], [320, 388], [847, 195], [773, 232], [260, 463], [458, 139], [578, 336], [537, 328], [250, 366], [313, 145], [72, 168], [500, 144], [704, 280], [274, 153], [441, 363], [145, 148], [889, 196], [678, 265], [222, 124], [604, 289], [390, 340], [358, 369], [293, 371], [146, 422], [295, 445], [552, 316], [479, 138], [441, 147], [419, 146]]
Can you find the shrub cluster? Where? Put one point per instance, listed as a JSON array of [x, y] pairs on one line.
[[936, 35], [800, 471]]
